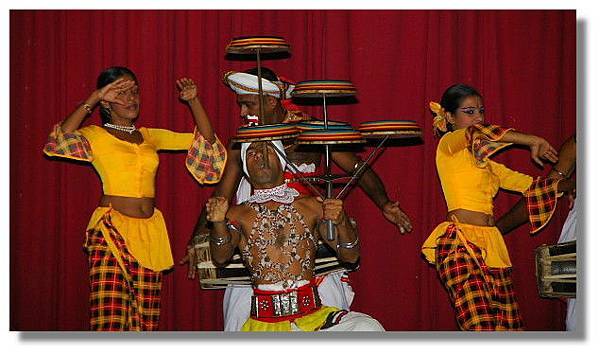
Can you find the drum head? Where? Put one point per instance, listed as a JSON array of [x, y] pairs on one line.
[[250, 44], [265, 133], [396, 129], [329, 88]]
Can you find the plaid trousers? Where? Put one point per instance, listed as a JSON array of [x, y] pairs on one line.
[[120, 299], [483, 297]]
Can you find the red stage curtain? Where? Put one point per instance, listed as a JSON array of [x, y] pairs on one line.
[[523, 62]]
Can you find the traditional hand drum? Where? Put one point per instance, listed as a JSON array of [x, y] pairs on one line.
[[264, 44], [266, 132], [320, 88], [392, 128], [330, 136], [236, 274], [556, 269]]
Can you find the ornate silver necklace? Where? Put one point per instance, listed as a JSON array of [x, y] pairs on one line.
[[282, 194]]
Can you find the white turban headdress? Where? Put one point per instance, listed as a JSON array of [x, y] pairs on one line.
[[247, 84]]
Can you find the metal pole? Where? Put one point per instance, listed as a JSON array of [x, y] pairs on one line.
[[260, 99], [325, 110], [360, 169], [296, 171], [260, 89], [329, 182]]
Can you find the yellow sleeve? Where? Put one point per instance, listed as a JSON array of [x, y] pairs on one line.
[[453, 142], [164, 139], [510, 179]]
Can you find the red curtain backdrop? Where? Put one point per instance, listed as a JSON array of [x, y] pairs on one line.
[[523, 62]]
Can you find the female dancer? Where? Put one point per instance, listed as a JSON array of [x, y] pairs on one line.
[[467, 249], [126, 238]]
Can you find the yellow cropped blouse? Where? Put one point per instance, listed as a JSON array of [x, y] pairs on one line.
[[468, 186], [472, 184], [128, 169]]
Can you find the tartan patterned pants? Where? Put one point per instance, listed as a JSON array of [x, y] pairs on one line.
[[115, 302], [483, 297]]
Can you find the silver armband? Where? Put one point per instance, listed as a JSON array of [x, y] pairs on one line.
[[348, 245]]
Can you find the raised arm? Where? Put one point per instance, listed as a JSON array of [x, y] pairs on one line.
[[372, 185], [518, 215], [109, 93], [539, 147], [188, 92]]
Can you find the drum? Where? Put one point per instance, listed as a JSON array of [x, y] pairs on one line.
[[268, 132], [319, 88], [340, 135], [250, 44], [391, 128], [556, 269], [236, 274]]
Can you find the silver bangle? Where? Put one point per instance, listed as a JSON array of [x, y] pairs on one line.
[[559, 172], [232, 227], [87, 107], [219, 241], [348, 245]]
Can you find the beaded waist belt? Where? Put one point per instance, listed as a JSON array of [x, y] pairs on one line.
[[277, 306]]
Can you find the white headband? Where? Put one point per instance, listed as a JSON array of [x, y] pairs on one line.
[[279, 146], [247, 84]]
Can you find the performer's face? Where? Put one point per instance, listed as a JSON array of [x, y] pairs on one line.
[[263, 165], [249, 106], [469, 112], [131, 109]]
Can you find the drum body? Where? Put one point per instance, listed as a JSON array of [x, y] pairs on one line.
[[556, 270]]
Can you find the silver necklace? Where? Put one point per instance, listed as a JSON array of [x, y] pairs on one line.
[[128, 129], [282, 194]]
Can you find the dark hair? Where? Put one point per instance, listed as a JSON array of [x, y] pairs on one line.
[[265, 72], [452, 98], [107, 76], [454, 95]]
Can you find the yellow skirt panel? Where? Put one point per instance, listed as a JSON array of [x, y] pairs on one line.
[[146, 238], [488, 239]]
